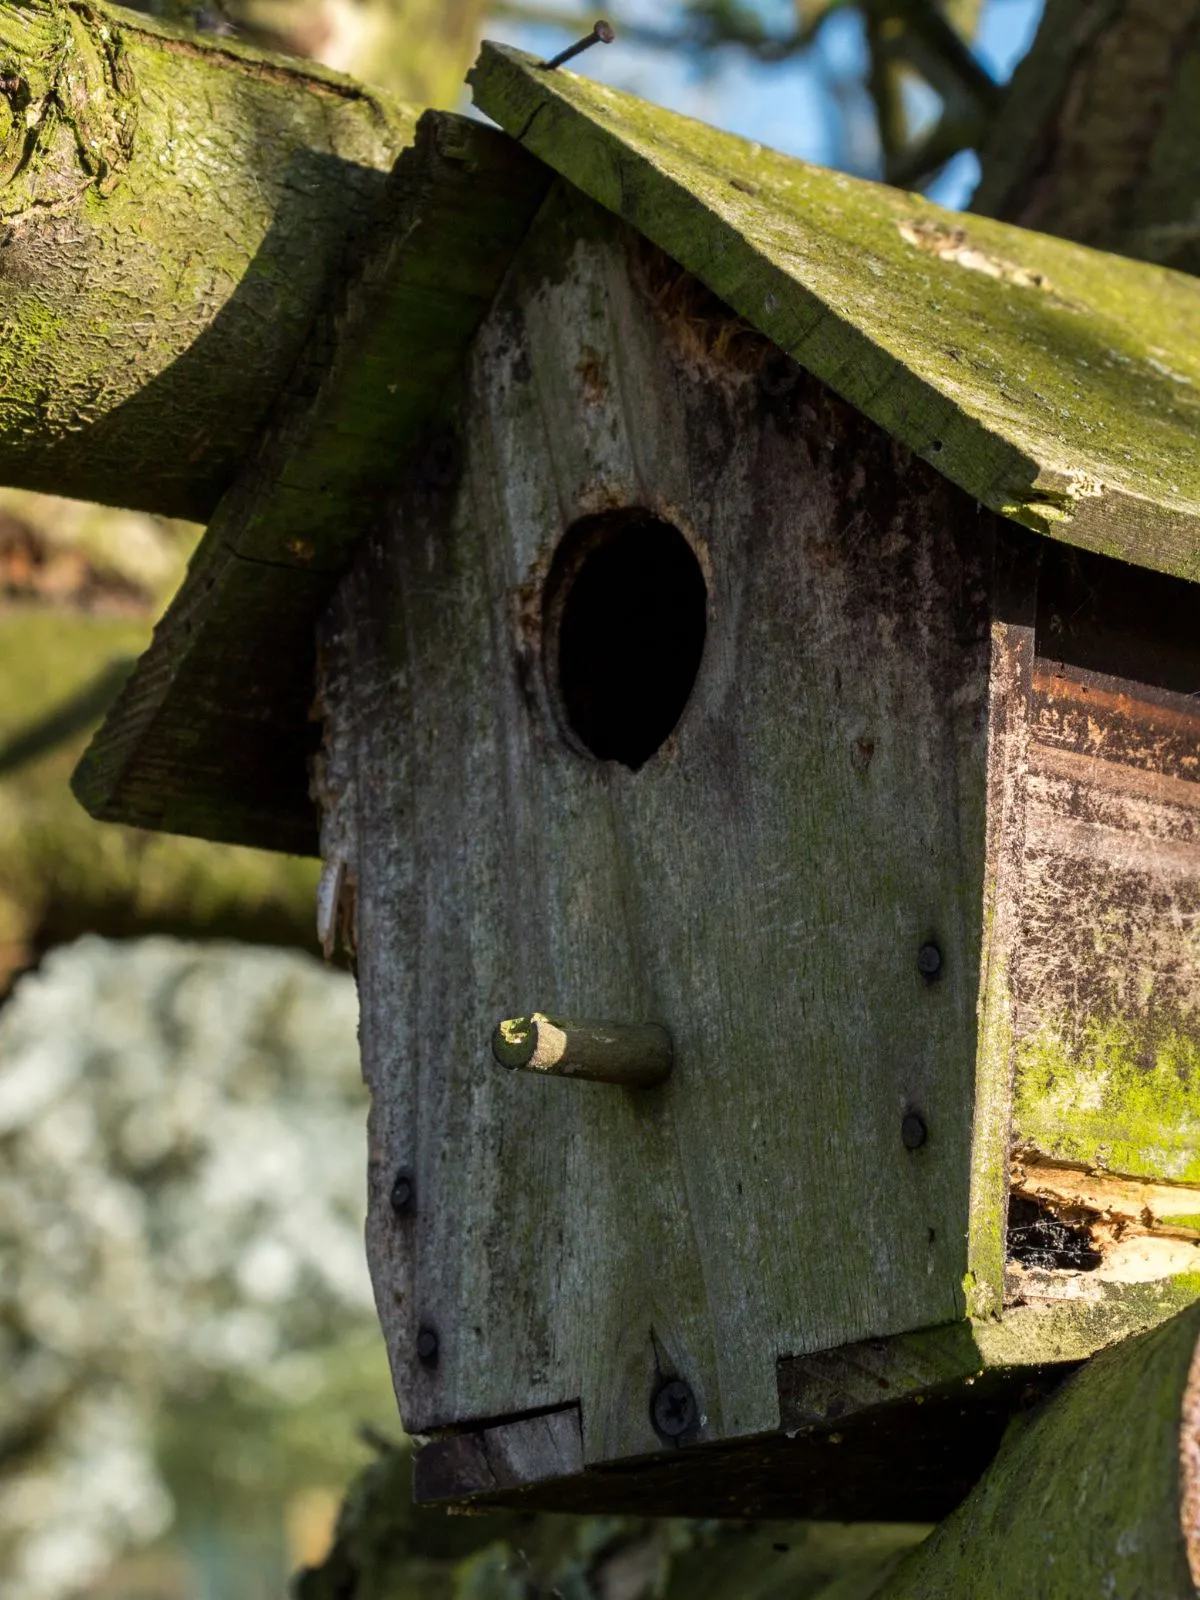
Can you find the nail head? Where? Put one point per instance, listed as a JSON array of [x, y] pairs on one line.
[[673, 1410], [929, 960], [403, 1193], [913, 1131], [427, 1347]]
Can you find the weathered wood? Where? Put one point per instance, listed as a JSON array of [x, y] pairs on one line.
[[1098, 1494], [213, 733], [894, 1461], [1013, 616], [173, 208], [1076, 414], [763, 885], [1055, 384], [1105, 990], [635, 1055]]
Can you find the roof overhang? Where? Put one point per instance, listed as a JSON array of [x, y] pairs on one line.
[[1055, 384]]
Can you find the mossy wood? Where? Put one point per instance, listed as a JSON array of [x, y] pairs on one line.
[[1049, 381], [172, 211], [1056, 384], [878, 873], [572, 1244], [1096, 1493], [363, 406]]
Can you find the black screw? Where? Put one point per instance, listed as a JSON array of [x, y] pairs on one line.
[[673, 1409], [602, 33], [913, 1131], [929, 961], [427, 1347], [403, 1193]]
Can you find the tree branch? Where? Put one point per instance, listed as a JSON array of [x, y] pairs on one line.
[[171, 210], [1097, 1493]]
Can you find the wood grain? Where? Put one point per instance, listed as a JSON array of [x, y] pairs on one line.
[[762, 885]]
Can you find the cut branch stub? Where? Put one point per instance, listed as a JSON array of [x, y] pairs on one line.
[[633, 1055]]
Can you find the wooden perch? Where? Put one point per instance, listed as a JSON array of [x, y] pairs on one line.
[[171, 210], [1098, 1493], [633, 1055]]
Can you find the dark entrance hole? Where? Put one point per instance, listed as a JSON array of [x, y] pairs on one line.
[[626, 611]]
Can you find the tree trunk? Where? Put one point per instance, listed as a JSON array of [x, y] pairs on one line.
[[1098, 137], [171, 211]]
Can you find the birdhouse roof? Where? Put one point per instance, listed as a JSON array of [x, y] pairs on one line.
[[1057, 385]]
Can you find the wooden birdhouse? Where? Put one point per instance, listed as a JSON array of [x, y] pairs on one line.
[[733, 628]]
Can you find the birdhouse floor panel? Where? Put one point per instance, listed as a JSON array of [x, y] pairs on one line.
[[900, 1461]]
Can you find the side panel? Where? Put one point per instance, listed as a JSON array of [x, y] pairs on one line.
[[761, 886], [1107, 987]]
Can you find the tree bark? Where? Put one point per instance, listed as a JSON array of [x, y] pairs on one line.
[[1097, 139], [81, 587], [1097, 1494], [171, 211]]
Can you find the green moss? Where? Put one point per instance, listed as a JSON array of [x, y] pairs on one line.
[[1112, 1095], [1056, 384]]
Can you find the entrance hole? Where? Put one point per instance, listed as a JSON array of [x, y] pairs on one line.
[[626, 613]]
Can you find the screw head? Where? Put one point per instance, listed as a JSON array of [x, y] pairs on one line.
[[673, 1409], [929, 961], [403, 1193], [427, 1347], [913, 1130]]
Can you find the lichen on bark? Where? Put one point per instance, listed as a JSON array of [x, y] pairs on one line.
[[174, 210], [69, 109]]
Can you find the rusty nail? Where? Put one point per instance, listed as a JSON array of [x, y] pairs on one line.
[[913, 1131], [673, 1409], [427, 1347], [929, 960], [602, 33], [403, 1191]]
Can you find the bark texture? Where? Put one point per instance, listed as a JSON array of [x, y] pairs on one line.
[[1099, 136], [171, 210], [1095, 1495]]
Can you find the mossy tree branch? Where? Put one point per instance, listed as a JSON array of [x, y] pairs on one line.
[[1098, 1493], [171, 211]]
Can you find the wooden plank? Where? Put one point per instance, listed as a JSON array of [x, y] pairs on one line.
[[1106, 999], [895, 1461], [1056, 384], [213, 733], [1013, 616], [762, 887]]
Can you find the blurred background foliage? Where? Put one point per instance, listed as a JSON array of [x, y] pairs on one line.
[[192, 1369]]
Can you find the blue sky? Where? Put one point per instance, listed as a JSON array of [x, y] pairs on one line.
[[792, 106]]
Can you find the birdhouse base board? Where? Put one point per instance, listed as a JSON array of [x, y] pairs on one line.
[[910, 1460]]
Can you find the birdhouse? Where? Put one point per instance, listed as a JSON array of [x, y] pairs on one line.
[[729, 631]]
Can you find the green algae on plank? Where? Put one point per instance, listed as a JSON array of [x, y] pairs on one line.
[[1058, 385], [186, 748], [1111, 1094]]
